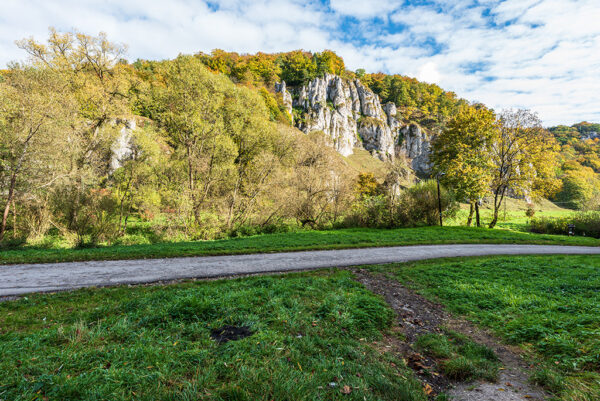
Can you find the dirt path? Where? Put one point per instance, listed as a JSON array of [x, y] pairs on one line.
[[418, 316], [23, 279]]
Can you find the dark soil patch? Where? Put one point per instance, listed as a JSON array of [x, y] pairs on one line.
[[230, 333], [418, 316]]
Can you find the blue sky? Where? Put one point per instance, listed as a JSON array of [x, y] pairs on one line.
[[538, 54]]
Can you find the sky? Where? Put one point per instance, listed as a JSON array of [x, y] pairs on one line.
[[542, 55]]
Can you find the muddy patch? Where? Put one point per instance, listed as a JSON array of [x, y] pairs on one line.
[[230, 333], [418, 316]]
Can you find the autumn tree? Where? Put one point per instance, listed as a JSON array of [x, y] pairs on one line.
[[461, 154], [524, 157], [322, 188], [97, 80], [137, 174], [31, 107], [189, 103], [261, 151], [580, 186]]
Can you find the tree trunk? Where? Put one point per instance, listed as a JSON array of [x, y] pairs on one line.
[[498, 198], [11, 194], [471, 211], [14, 207], [477, 214]]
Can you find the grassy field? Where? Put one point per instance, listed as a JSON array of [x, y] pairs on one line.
[[313, 337], [547, 304], [294, 241], [513, 215]]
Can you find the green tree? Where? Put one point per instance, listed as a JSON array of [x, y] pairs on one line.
[[190, 110], [461, 154], [298, 67]]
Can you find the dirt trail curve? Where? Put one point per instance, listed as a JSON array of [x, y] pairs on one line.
[[27, 278]]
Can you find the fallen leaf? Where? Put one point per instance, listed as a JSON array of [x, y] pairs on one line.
[[346, 390], [427, 388]]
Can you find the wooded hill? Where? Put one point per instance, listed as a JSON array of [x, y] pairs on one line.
[[200, 147]]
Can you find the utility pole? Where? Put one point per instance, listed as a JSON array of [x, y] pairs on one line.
[[437, 177]]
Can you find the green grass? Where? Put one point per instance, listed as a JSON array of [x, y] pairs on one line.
[[459, 357], [513, 216], [153, 343], [294, 241], [548, 304]]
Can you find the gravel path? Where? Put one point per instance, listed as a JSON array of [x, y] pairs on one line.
[[22, 279]]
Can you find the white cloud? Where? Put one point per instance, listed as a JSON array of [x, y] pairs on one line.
[[539, 54], [364, 9], [429, 73]]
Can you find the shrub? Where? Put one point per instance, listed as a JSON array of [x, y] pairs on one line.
[[586, 224], [370, 211], [530, 212], [418, 205]]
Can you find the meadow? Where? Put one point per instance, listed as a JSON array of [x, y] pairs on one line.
[[548, 305], [304, 336], [312, 337]]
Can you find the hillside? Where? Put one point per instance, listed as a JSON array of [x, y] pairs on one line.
[[580, 169], [210, 146]]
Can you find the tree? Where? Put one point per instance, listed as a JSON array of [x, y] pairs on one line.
[[298, 67], [524, 157], [190, 101], [95, 77], [329, 63], [367, 185], [31, 103], [460, 154], [260, 152], [579, 186], [320, 183]]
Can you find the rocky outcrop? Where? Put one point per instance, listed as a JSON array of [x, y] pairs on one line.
[[287, 98], [353, 117], [123, 148], [414, 143]]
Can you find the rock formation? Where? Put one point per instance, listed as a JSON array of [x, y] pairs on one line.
[[352, 115], [123, 148]]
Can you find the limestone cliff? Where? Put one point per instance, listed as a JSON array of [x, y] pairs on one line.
[[352, 115], [123, 147]]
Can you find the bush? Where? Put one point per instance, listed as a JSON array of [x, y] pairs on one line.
[[586, 224], [370, 211], [530, 212], [418, 205]]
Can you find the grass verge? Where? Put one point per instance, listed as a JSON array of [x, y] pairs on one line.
[[295, 241], [312, 340], [547, 304]]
